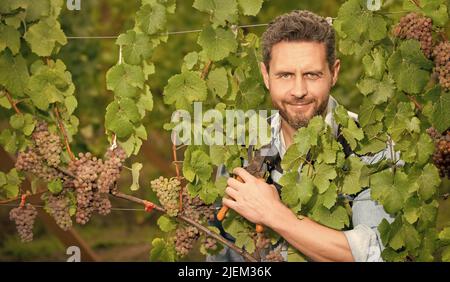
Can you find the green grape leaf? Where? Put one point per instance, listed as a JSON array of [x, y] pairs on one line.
[[209, 192], [9, 38], [221, 11], [197, 164], [250, 7], [337, 218], [185, 88], [444, 235], [136, 47], [55, 186], [71, 104], [190, 60], [217, 43], [409, 67], [218, 82], [125, 80], [352, 177], [17, 121], [162, 251], [352, 133], [330, 196], [44, 35], [13, 73], [374, 64], [428, 182], [151, 18], [391, 190], [166, 224], [441, 112], [323, 174]]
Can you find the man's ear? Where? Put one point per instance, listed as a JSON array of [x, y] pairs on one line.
[[265, 74], [336, 68]]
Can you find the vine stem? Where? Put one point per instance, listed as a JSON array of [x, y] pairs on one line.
[[177, 171], [202, 228], [11, 101], [415, 2], [63, 131], [416, 103], [206, 69]]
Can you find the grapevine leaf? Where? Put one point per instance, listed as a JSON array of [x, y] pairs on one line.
[[44, 35], [166, 224], [185, 88], [441, 112], [352, 183], [250, 7], [136, 47], [323, 174], [151, 18], [55, 186], [444, 235], [13, 73], [197, 163], [390, 190], [217, 43], [218, 82], [409, 67], [9, 38], [428, 182], [162, 251], [222, 11], [125, 80]]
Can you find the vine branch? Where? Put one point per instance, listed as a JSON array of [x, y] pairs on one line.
[[202, 228], [63, 131], [11, 101]]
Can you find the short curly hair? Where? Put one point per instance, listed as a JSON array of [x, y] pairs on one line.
[[299, 25]]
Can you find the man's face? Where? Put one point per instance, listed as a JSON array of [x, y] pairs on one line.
[[299, 80]]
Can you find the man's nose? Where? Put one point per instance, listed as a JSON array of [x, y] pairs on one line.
[[300, 88]]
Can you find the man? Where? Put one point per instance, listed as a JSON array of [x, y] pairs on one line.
[[299, 69]]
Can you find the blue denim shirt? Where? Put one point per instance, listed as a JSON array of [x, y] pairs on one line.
[[364, 239]]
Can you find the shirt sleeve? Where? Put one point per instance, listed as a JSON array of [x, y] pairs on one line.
[[364, 239]]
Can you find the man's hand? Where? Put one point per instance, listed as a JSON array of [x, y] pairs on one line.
[[254, 199]]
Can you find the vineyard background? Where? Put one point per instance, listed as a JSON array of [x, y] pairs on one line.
[[126, 233]]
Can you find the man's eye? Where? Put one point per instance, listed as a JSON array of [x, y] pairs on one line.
[[285, 75], [312, 76]]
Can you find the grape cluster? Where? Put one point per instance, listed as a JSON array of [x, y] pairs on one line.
[[194, 208], [86, 170], [167, 191], [30, 161], [441, 156], [441, 54], [24, 219], [85, 207], [274, 256], [110, 171], [43, 156], [93, 180], [48, 145], [185, 237], [210, 244], [418, 27], [58, 207]]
